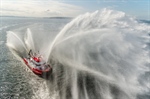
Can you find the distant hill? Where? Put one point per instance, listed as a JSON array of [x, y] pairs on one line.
[[145, 21], [59, 17]]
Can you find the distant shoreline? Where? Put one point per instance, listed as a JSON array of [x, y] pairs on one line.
[[40, 17], [139, 20]]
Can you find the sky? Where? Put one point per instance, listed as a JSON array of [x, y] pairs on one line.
[[72, 8]]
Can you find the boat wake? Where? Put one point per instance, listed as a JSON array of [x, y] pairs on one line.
[[99, 55]]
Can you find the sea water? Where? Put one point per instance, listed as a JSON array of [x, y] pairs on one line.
[[99, 55]]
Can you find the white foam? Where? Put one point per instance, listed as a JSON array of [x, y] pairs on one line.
[[114, 38]]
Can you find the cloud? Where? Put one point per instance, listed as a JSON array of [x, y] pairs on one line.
[[38, 8]]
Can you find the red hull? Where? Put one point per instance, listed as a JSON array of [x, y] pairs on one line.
[[38, 71]]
